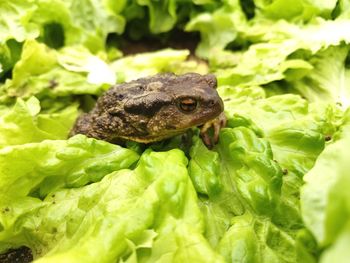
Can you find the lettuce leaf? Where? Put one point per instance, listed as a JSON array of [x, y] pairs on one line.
[[25, 124], [242, 202], [325, 195], [70, 23], [162, 14], [295, 10], [342, 10], [217, 28], [15, 20], [156, 208], [157, 215], [295, 129], [44, 167], [261, 64], [46, 73], [249, 190], [339, 252], [295, 58], [10, 53], [329, 79], [60, 23], [167, 60]]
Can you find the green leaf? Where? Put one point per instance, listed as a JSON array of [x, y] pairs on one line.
[[295, 10], [325, 196], [14, 21], [156, 204], [36, 59], [9, 54], [204, 169], [162, 14], [46, 73], [275, 52], [295, 129], [218, 28], [146, 64], [329, 80], [339, 252], [244, 218], [261, 64], [24, 124], [86, 22]]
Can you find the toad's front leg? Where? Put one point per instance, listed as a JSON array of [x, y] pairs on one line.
[[217, 123]]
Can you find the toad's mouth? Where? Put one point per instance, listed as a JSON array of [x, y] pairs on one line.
[[155, 137], [203, 118], [170, 132], [207, 113]]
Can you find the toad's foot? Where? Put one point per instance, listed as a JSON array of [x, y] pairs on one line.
[[217, 123]]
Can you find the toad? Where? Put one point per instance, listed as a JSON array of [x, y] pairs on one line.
[[155, 108]]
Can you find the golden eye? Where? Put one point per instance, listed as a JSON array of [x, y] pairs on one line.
[[188, 104]]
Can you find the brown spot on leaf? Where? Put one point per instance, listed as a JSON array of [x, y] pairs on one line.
[[328, 138]]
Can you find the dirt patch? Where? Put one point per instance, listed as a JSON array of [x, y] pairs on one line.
[[21, 255], [177, 40]]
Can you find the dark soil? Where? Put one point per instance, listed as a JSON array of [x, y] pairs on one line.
[[177, 40], [20, 255]]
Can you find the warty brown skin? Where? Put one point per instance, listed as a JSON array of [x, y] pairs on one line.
[[153, 108]]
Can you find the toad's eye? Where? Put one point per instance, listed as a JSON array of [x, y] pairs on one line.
[[188, 105]]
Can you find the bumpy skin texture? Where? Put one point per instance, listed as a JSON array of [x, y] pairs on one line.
[[153, 108]]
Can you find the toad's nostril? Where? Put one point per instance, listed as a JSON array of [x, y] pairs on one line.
[[211, 103]]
